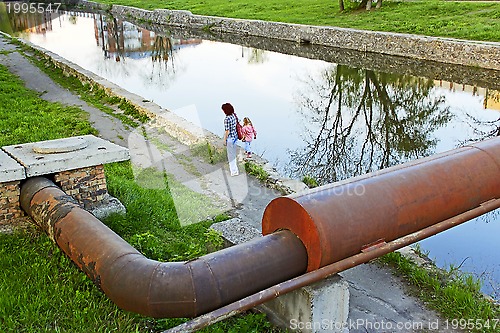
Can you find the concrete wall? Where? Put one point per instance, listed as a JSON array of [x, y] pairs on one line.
[[446, 50]]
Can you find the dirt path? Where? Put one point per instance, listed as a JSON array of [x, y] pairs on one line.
[[109, 127]]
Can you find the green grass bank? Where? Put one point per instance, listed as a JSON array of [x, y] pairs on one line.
[[471, 20]]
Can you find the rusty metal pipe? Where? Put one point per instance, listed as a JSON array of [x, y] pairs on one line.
[[317, 275], [158, 289], [335, 223], [339, 220]]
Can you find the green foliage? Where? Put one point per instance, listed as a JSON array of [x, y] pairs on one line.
[[27, 118], [246, 323], [214, 240], [131, 110], [256, 170], [151, 222], [209, 152], [251, 323], [310, 181], [42, 291]]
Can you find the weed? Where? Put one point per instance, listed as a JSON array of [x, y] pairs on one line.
[[257, 171], [452, 293], [214, 240], [130, 110], [310, 181], [210, 153], [208, 27], [419, 251]]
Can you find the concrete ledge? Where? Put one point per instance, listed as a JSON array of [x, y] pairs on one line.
[[88, 151], [107, 206], [235, 231], [10, 170]]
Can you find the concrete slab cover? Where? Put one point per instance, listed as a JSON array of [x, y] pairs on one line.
[[60, 146], [46, 157], [10, 170]]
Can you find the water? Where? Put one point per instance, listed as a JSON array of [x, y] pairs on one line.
[[330, 117]]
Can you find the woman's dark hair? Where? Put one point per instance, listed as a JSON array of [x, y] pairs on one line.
[[228, 109]]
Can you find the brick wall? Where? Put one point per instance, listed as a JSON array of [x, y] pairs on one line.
[[10, 208], [86, 185]]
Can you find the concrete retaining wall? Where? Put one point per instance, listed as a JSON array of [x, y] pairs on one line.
[[468, 53]]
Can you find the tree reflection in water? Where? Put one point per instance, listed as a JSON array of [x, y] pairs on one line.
[[121, 40], [162, 50], [365, 121], [485, 129]]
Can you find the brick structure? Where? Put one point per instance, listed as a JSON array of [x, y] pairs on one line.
[[10, 208], [11, 175], [86, 185], [76, 165]]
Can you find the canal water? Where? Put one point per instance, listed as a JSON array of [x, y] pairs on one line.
[[319, 112]]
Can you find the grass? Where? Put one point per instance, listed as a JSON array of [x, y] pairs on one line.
[[117, 107], [209, 152], [187, 207], [27, 118], [310, 181], [40, 289], [455, 295], [472, 20], [257, 171]]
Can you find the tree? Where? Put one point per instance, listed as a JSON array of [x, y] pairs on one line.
[[364, 3]]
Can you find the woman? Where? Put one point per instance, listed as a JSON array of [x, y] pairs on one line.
[[230, 137]]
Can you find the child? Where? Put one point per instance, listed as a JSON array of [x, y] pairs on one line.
[[249, 133]]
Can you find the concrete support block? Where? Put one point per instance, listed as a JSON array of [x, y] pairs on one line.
[[10, 170], [320, 307]]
